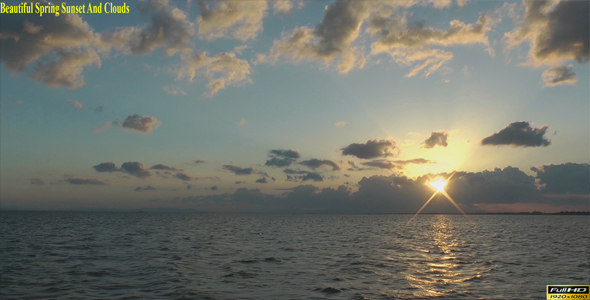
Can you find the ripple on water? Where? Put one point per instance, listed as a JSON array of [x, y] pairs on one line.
[[195, 256]]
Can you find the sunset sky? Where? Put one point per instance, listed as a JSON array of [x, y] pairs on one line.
[[297, 106]]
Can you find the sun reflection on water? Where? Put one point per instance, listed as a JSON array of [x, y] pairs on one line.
[[440, 268]]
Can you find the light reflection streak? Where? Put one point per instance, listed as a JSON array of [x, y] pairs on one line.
[[442, 191]]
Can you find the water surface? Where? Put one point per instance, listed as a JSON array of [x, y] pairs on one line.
[[92, 255]]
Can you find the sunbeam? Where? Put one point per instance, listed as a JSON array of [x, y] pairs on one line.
[[439, 186]]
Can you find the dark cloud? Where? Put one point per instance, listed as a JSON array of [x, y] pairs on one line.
[[136, 169], [238, 170], [57, 48], [80, 181], [183, 176], [382, 164], [565, 178], [106, 167], [332, 38], [315, 163], [295, 175], [559, 75], [282, 158], [198, 161], [164, 167], [143, 124], [393, 165], [436, 138], [473, 191], [519, 134], [285, 153], [147, 188], [371, 149], [37, 181], [279, 162], [169, 28], [214, 188], [243, 171], [556, 31], [239, 182], [262, 180]]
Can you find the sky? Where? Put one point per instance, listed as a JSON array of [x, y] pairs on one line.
[[296, 106]]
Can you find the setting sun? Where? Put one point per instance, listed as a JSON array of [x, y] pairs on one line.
[[438, 185]]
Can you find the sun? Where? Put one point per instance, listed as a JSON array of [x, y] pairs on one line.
[[438, 185]]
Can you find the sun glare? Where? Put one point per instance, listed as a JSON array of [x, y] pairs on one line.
[[438, 185]]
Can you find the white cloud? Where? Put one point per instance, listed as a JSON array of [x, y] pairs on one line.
[[222, 70], [76, 104], [174, 90], [231, 18]]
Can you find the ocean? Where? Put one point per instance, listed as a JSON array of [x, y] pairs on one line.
[[119, 255]]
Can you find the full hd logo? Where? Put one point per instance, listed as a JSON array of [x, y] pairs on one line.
[[568, 292]]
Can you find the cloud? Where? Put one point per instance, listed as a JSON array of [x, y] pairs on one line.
[[382, 164], [282, 158], [136, 169], [559, 75], [106, 167], [183, 176], [340, 124], [143, 124], [174, 90], [262, 180], [519, 134], [169, 28], [393, 165], [285, 6], [214, 188], [75, 103], [80, 181], [371, 149], [36, 181], [331, 38], [294, 175], [147, 188], [285, 153], [57, 48], [417, 161], [436, 139], [564, 178], [387, 22], [104, 127], [164, 168], [315, 163], [242, 122], [198, 161], [555, 30], [279, 162], [498, 189], [231, 18], [242, 171], [222, 70]]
